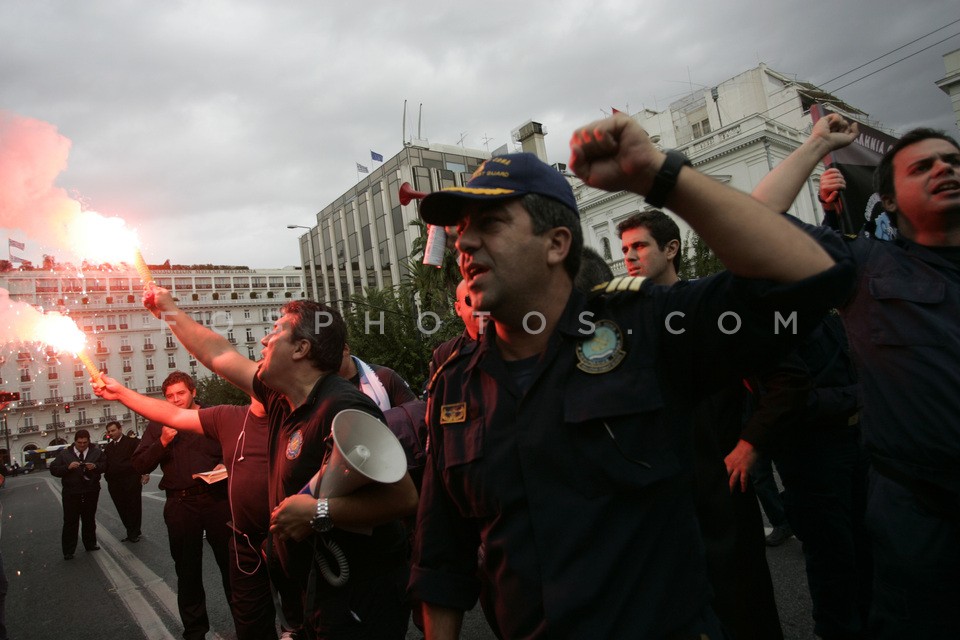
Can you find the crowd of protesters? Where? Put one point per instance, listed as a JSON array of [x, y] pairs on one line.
[[582, 463]]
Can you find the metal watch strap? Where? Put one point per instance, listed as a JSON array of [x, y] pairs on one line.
[[666, 178], [321, 520]]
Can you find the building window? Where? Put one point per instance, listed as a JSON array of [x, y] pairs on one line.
[[145, 319], [126, 365], [251, 354], [249, 334], [246, 314], [171, 362], [148, 363], [701, 128]]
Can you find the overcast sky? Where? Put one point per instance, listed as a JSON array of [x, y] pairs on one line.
[[211, 125]]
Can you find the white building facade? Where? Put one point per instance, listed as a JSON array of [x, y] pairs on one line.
[[735, 132], [125, 341]]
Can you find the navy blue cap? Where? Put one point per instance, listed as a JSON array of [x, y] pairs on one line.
[[499, 178]]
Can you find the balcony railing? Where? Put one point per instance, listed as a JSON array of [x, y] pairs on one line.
[[102, 350], [154, 389], [81, 396], [53, 400], [82, 422], [31, 428], [56, 425], [53, 375], [149, 346], [170, 344], [78, 373], [126, 348], [25, 377], [24, 355]]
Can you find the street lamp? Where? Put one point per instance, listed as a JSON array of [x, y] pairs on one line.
[[313, 261]]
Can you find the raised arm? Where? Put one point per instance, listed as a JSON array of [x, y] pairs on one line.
[[213, 350], [150, 408], [780, 187], [616, 154]]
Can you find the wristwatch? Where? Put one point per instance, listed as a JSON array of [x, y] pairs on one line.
[[666, 178], [321, 522]]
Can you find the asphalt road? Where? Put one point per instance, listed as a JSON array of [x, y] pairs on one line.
[[128, 591]]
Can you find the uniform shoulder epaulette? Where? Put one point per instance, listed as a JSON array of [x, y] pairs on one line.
[[618, 285], [461, 352]]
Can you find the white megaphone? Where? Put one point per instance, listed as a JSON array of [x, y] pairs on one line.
[[364, 451]]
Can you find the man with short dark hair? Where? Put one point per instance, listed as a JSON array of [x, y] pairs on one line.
[[242, 434], [123, 481], [904, 336], [79, 468], [651, 246], [730, 522], [297, 383], [560, 441], [194, 509]]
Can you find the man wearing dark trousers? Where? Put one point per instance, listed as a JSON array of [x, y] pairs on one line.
[[242, 433], [193, 507], [79, 468], [123, 481]]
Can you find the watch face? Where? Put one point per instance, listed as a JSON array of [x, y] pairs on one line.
[[322, 524]]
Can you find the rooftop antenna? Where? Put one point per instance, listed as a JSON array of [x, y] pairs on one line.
[[419, 122], [463, 135], [404, 123], [486, 142]]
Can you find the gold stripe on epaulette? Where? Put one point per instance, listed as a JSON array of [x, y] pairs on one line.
[[625, 283]]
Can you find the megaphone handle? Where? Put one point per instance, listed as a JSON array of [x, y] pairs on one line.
[[343, 574]]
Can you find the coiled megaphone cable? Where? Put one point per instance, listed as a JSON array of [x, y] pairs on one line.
[[339, 578]]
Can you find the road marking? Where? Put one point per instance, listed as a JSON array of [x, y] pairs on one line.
[[118, 574]]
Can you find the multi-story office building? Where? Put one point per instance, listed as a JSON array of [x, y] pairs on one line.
[[735, 132], [362, 239], [124, 340]]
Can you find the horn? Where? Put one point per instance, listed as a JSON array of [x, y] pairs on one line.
[[364, 451], [407, 194], [436, 244]]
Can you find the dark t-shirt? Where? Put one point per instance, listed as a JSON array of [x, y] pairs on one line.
[[243, 437], [300, 441]]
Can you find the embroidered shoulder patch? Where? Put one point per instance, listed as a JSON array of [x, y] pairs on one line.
[[603, 351], [294, 445]]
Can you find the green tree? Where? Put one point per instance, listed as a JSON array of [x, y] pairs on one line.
[[698, 259], [400, 326], [214, 390]]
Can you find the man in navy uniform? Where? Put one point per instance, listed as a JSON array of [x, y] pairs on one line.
[[561, 442], [904, 338]]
